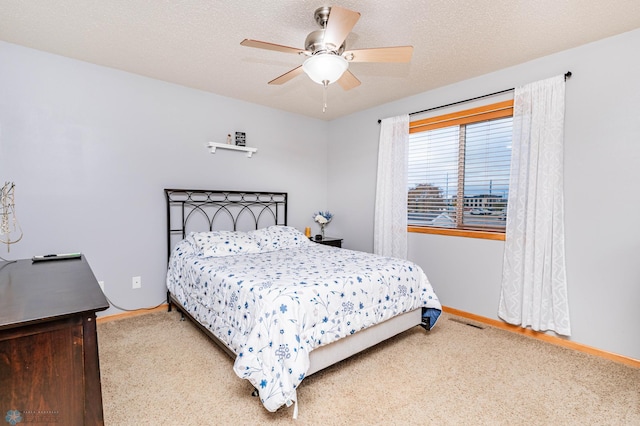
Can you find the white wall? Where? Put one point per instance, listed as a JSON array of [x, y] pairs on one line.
[[602, 163], [91, 150]]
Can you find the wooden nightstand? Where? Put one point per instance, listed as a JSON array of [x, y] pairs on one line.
[[330, 241]]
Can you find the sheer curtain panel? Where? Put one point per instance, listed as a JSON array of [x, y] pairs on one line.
[[534, 283], [390, 222]]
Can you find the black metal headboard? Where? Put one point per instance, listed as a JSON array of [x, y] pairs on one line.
[[194, 210]]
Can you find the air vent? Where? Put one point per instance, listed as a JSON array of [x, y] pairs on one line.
[[465, 322]]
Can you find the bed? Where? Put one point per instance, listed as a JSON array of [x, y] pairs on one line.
[[282, 306]]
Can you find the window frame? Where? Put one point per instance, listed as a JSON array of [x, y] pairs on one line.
[[491, 111]]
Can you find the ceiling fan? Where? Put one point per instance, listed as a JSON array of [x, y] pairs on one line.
[[327, 58]]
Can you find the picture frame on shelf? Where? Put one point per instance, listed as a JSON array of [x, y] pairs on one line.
[[241, 139]]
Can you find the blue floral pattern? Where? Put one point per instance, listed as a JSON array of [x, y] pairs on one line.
[[273, 307]]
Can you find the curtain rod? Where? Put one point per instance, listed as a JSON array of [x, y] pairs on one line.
[[566, 76]]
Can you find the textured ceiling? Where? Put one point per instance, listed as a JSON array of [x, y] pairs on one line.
[[196, 43]]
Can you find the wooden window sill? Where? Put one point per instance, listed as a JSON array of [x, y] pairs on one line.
[[468, 233]]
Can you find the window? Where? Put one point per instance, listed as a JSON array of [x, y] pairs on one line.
[[459, 171]]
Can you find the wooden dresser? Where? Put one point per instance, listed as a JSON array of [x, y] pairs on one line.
[[49, 368]]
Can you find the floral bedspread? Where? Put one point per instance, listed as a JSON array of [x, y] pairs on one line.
[[273, 296]]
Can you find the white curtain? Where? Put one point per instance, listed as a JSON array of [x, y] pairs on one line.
[[534, 283], [390, 223]]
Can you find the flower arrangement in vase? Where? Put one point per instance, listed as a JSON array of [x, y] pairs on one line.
[[323, 219]]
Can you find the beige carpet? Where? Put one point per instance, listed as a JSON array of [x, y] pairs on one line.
[[158, 370]]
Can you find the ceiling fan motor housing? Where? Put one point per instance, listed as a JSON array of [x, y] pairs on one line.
[[315, 44]]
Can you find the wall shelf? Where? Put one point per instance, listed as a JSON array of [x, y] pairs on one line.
[[214, 145]]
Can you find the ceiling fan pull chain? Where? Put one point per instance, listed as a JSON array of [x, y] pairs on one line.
[[325, 84]]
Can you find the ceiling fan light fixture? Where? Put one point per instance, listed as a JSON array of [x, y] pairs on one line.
[[325, 68]]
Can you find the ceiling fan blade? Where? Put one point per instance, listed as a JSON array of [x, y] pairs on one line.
[[348, 81], [380, 54], [270, 46], [341, 22], [287, 76]]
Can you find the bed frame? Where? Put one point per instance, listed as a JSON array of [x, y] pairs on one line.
[[190, 210]]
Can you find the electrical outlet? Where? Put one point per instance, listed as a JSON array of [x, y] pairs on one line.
[[136, 282], [101, 284]]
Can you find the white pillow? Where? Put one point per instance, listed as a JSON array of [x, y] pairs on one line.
[[225, 243], [279, 237]]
